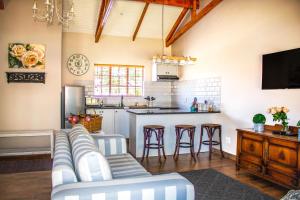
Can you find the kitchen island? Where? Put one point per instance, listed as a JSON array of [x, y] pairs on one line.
[[167, 118]]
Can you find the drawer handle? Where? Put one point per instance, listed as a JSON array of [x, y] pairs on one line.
[[251, 147], [281, 156]]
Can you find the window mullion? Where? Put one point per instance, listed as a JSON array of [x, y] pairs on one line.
[[136, 77], [110, 68], [127, 81]]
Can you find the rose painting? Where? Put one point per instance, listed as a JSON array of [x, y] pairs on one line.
[[26, 56]]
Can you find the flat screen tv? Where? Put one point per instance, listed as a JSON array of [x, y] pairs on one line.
[[281, 70]]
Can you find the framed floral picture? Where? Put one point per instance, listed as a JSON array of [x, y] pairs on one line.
[[26, 56]]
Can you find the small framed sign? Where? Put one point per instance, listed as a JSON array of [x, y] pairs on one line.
[[25, 77]]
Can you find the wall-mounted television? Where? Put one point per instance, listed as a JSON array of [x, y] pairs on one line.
[[281, 70]]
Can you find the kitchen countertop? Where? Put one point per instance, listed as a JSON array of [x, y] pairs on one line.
[[128, 107], [166, 111]]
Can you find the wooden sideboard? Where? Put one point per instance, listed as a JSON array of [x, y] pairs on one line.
[[273, 157]]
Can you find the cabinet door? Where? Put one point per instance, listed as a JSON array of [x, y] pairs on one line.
[[108, 121], [172, 70], [282, 161], [121, 122], [251, 152], [167, 70]]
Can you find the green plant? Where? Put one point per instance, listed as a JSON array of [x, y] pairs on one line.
[[298, 124], [280, 115], [259, 119]]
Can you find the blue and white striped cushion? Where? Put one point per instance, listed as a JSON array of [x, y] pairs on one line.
[[110, 144], [159, 187], [79, 130], [62, 170], [90, 164], [125, 166]]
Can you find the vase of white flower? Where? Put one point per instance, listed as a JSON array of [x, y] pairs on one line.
[[280, 115]]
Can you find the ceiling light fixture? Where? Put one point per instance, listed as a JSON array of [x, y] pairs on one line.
[[51, 9], [174, 60]]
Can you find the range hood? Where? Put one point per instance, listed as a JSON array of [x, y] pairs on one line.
[[167, 78]]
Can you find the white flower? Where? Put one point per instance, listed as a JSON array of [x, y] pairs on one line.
[[30, 59], [17, 50], [285, 110], [273, 111], [278, 109]]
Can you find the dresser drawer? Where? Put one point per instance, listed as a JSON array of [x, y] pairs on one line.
[[284, 143], [291, 172], [250, 166], [252, 136], [282, 178]]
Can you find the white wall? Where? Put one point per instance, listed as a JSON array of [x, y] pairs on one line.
[[229, 42], [115, 50], [29, 105]]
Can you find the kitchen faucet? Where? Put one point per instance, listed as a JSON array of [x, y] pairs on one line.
[[122, 103]]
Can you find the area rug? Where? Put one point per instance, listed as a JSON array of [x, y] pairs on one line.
[[212, 185]]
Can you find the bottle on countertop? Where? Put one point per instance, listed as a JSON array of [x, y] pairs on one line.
[[205, 105], [194, 107]]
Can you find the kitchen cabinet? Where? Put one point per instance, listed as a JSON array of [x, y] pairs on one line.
[[115, 121], [121, 122], [167, 70], [108, 121], [164, 72]]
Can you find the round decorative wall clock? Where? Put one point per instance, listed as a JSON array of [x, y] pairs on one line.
[[78, 64]]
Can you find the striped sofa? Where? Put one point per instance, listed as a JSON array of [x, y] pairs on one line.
[[128, 179]]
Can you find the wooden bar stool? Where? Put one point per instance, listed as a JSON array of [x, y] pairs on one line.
[[159, 134], [210, 129], [180, 129]]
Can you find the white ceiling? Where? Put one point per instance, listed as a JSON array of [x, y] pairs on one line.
[[123, 18]]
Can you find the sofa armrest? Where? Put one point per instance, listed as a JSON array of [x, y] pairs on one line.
[[166, 187], [110, 144]]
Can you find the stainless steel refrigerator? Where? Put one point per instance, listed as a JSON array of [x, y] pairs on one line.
[[73, 101]]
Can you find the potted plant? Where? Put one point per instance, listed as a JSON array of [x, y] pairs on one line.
[[259, 121], [280, 115]]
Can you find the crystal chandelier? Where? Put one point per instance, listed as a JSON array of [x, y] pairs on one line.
[[51, 8]]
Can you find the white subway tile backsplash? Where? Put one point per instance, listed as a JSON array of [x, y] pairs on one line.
[[209, 88], [178, 93], [160, 90]]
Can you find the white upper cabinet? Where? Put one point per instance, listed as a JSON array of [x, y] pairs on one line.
[[164, 72]]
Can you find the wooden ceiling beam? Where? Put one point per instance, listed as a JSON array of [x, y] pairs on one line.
[[104, 12], [177, 23], [177, 3], [1, 4], [194, 9], [140, 21], [101, 13], [193, 21]]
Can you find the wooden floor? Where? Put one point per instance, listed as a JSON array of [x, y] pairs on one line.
[[37, 185]]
